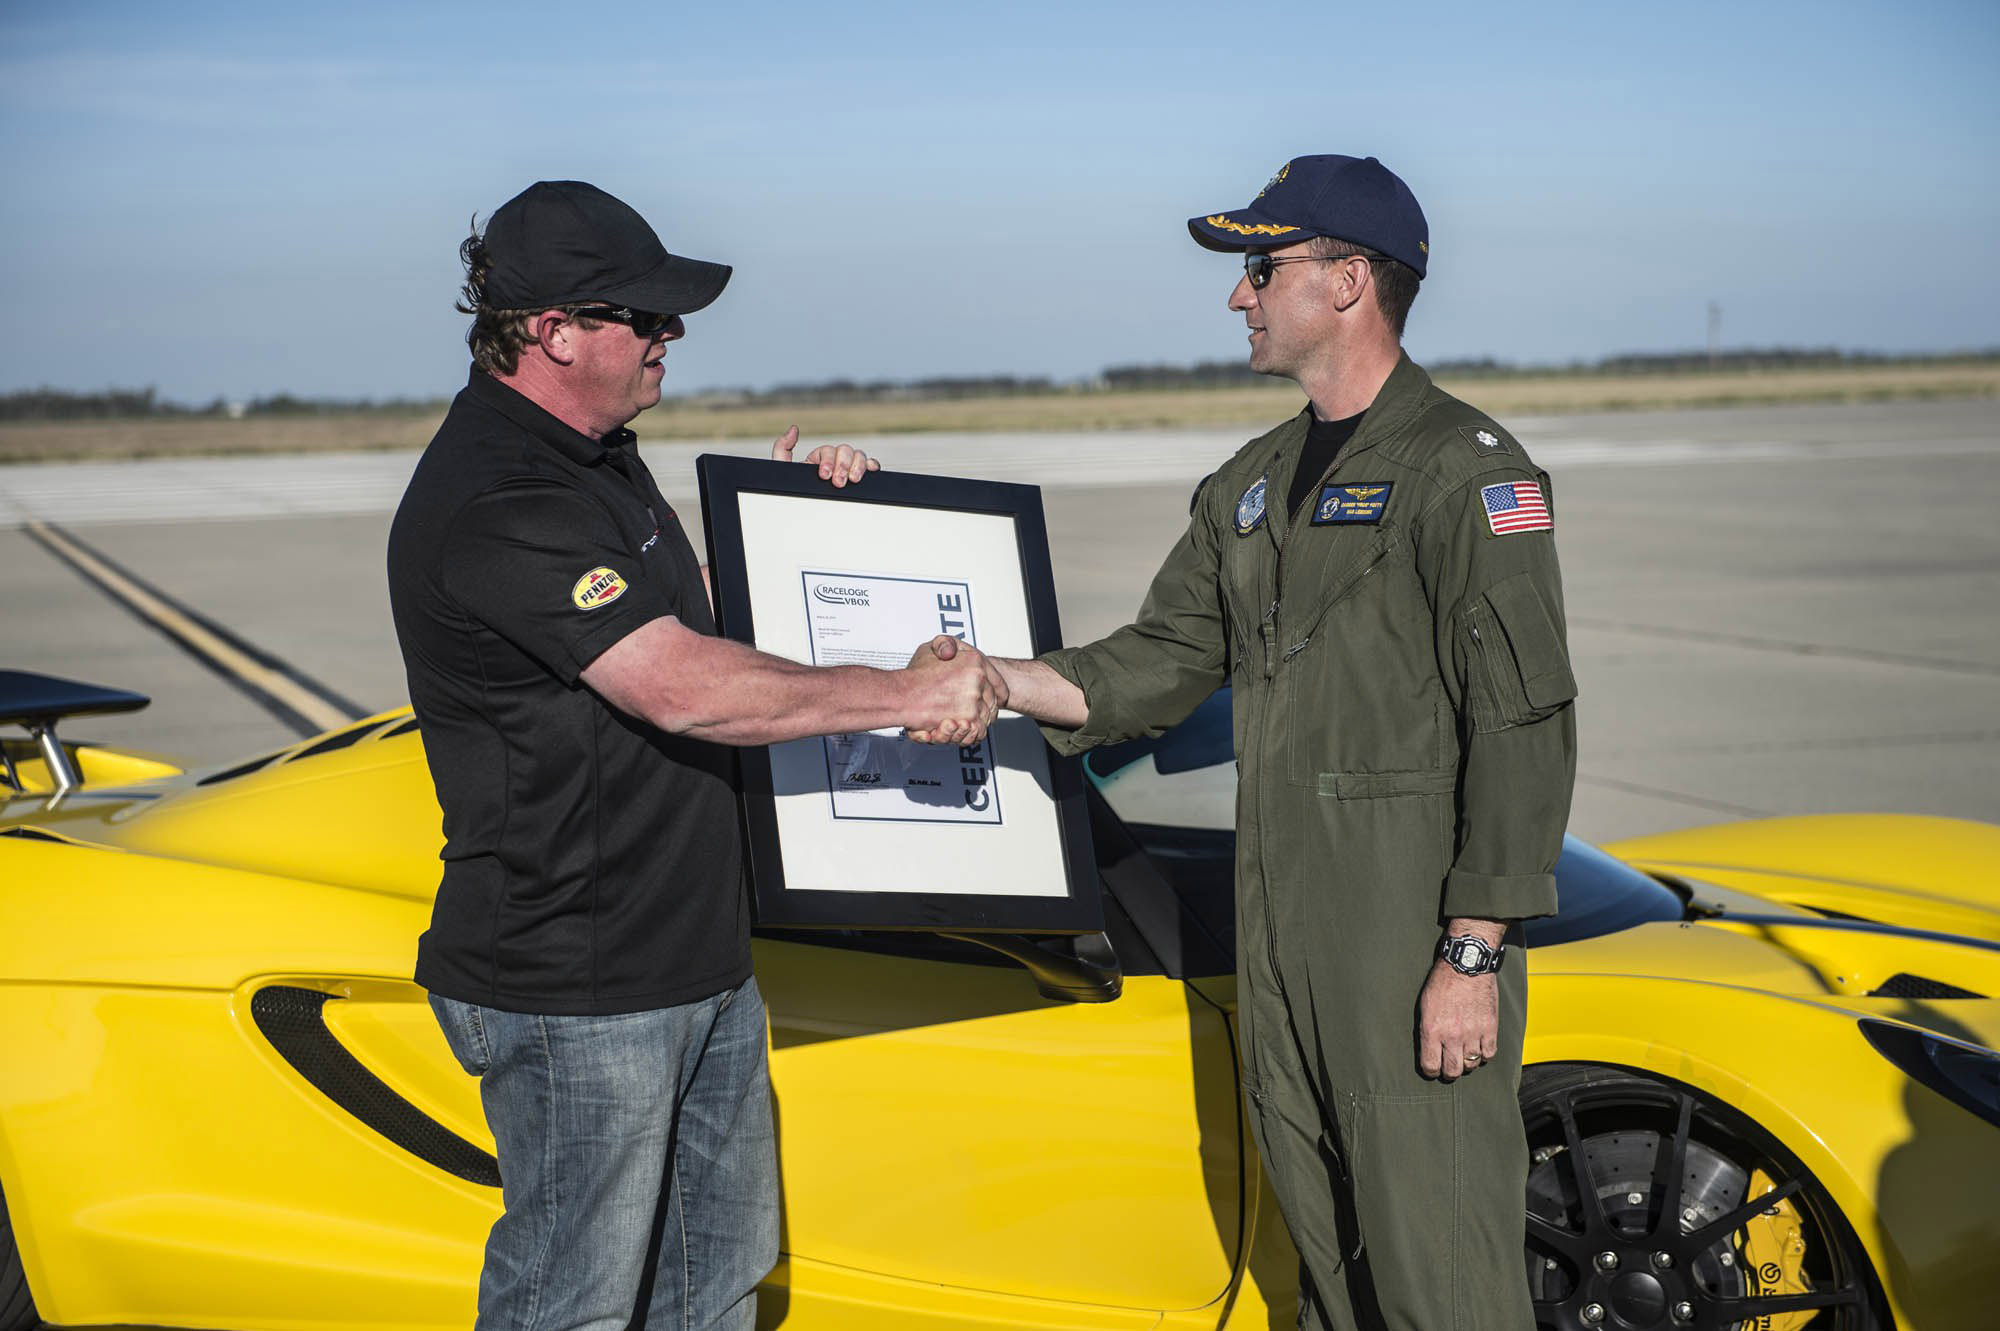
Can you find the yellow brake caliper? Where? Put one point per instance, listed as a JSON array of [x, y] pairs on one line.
[[1772, 1250]]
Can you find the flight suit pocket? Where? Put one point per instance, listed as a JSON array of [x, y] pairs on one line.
[[1385, 785], [1517, 660]]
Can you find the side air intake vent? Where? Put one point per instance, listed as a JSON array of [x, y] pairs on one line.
[[1905, 985], [294, 1021], [34, 834], [241, 769], [340, 740]]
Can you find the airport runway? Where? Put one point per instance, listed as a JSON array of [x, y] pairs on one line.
[[1774, 610]]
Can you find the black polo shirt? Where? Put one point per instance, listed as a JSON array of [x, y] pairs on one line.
[[592, 864]]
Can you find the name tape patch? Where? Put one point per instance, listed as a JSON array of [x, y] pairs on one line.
[[1351, 503], [1513, 506], [600, 586]]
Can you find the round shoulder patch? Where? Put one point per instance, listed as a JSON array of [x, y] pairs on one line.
[[1250, 507], [600, 586]]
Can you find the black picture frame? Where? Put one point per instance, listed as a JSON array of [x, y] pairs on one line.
[[1079, 909]]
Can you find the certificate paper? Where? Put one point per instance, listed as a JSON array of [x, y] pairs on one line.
[[848, 830], [873, 619]]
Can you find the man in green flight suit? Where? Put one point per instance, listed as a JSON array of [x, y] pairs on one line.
[[1377, 579]]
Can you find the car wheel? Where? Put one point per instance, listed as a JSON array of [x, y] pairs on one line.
[[17, 1307], [1651, 1204]]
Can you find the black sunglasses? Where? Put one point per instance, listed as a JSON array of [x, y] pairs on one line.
[[639, 321], [1257, 267]]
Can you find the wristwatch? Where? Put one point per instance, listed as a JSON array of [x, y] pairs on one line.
[[1469, 954]]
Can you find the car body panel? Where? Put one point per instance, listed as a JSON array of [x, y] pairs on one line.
[[1925, 873], [956, 1151], [1071, 1129]]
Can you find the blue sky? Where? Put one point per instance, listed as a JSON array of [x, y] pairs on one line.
[[240, 199]]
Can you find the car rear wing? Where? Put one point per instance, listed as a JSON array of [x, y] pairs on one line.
[[38, 702]]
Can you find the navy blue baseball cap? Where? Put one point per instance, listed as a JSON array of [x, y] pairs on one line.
[[1355, 199], [562, 242]]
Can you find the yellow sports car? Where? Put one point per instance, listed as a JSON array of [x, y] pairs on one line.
[[224, 1104]]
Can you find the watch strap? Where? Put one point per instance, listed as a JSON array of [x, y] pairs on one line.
[[1484, 958]]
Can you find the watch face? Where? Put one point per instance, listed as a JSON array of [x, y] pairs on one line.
[[1471, 956]]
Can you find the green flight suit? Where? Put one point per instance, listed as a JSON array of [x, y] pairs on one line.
[[1405, 746]]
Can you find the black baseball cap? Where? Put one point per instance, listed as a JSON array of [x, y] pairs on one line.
[[561, 242], [1355, 199]]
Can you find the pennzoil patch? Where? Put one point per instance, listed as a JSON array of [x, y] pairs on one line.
[[1250, 508], [1351, 503], [600, 586], [1486, 440]]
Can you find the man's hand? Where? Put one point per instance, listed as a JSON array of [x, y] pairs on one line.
[[961, 686], [1458, 1016], [839, 464]]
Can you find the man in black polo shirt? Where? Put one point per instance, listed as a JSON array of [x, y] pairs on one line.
[[588, 955]]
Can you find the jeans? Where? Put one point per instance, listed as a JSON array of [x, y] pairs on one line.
[[637, 1161]]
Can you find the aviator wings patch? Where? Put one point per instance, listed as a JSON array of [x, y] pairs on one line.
[[1351, 503]]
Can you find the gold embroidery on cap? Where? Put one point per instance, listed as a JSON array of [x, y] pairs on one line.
[[1249, 229]]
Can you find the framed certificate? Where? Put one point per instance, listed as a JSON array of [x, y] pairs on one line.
[[873, 830]]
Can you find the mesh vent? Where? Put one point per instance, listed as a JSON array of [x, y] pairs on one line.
[[293, 1021], [403, 729], [1905, 985]]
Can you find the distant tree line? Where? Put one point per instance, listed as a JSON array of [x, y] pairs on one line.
[[1230, 374], [1748, 358], [1203, 374], [53, 404], [875, 390]]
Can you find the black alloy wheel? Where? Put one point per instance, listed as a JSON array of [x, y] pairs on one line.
[[1639, 1215]]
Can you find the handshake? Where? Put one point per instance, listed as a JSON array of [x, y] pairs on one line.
[[955, 692]]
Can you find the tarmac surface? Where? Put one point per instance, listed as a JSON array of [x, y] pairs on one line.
[[1772, 610]]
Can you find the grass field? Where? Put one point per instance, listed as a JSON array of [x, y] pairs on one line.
[[1504, 396]]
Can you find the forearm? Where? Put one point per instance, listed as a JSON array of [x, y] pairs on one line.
[[715, 689], [1487, 931], [1147, 675], [738, 695], [1035, 690]]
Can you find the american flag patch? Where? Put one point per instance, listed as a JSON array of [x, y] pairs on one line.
[[1515, 506]]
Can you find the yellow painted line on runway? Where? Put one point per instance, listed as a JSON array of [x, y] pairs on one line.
[[190, 634]]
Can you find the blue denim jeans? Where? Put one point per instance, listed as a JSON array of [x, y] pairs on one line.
[[632, 1148]]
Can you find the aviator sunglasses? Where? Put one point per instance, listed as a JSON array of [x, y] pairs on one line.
[[639, 321], [1257, 267]]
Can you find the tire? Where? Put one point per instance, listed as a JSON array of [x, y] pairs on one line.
[[17, 1306], [1667, 1233]]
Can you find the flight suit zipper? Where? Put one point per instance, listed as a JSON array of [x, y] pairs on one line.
[[1268, 632], [1486, 679], [1272, 659], [1341, 593]]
